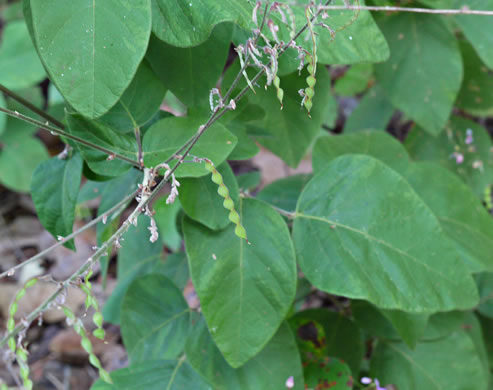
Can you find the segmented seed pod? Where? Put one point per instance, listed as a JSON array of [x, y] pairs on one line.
[[21, 355], [85, 342], [228, 203], [488, 192], [312, 66], [279, 90], [91, 301], [13, 310]]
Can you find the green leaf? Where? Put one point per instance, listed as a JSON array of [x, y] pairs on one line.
[[20, 154], [341, 337], [327, 372], [372, 143], [81, 42], [190, 73], [374, 111], [249, 181], [138, 256], [166, 136], [176, 268], [445, 149], [166, 215], [155, 319], [487, 330], [484, 281], [19, 63], [461, 214], [185, 23], [257, 282], [355, 80], [424, 73], [270, 369], [54, 188], [452, 363], [360, 39], [286, 140], [284, 193], [202, 203], [3, 117], [354, 237], [476, 94], [474, 27], [390, 324], [139, 103], [102, 135], [155, 375]]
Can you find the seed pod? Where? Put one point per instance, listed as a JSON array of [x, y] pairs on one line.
[[312, 66], [10, 324], [97, 318], [99, 333], [223, 191], [105, 376], [20, 294], [86, 344], [234, 217], [94, 361], [12, 344], [228, 202], [279, 90]]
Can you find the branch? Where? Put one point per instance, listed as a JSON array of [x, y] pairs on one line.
[[41, 254], [31, 106], [462, 11], [57, 131]]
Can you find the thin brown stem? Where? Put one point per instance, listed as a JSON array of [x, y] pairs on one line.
[[31, 106], [57, 131]]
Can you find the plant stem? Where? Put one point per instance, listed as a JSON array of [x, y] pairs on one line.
[[47, 127], [40, 255], [31, 106], [462, 11]]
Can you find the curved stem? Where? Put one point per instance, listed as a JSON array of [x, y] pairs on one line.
[[461, 11]]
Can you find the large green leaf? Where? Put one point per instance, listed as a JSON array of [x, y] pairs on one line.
[[372, 143], [176, 268], [450, 145], [359, 40], [374, 111], [355, 235], [91, 49], [290, 130], [54, 189], [257, 282], [485, 286], [390, 324], [340, 337], [461, 214], [155, 319], [201, 201], [191, 72], [165, 217], [424, 73], [475, 27], [476, 94], [102, 135], [138, 256], [139, 103], [356, 80], [185, 23], [20, 154], [270, 369], [3, 117], [166, 136], [19, 63], [155, 375], [451, 363], [284, 193]]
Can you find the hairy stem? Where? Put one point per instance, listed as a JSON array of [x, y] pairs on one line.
[[31, 106], [57, 131], [41, 254], [461, 11]]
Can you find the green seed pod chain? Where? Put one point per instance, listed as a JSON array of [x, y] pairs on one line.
[[86, 343], [91, 301], [19, 351], [312, 66], [228, 202]]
